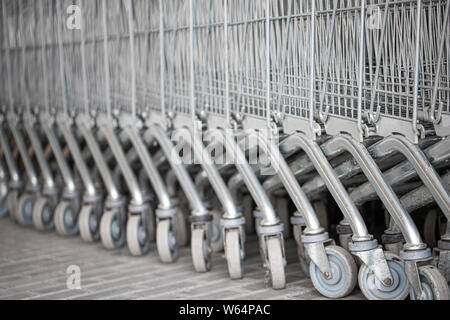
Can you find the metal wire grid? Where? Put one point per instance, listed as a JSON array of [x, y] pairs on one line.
[[52, 55], [247, 57], [336, 80], [177, 67], [394, 92], [209, 56], [147, 41]]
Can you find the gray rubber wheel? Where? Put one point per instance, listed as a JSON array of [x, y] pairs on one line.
[[12, 204], [89, 224], [434, 285], [373, 289], [201, 253], [66, 222], [138, 240], [343, 274], [24, 212], [112, 230], [43, 215], [182, 234], [234, 254], [166, 241], [276, 263]]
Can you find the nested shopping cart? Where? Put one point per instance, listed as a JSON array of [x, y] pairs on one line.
[[110, 121]]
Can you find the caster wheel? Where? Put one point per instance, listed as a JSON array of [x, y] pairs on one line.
[[276, 263], [434, 285], [234, 254], [343, 276], [182, 234], [247, 203], [12, 200], [112, 230], [43, 215], [24, 213], [373, 289], [89, 224], [201, 253], [166, 241], [216, 235], [65, 219], [138, 240]]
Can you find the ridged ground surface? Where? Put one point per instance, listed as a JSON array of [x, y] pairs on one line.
[[33, 266]]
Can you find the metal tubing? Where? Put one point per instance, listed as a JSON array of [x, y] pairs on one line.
[[423, 168], [100, 162], [49, 181], [437, 153], [11, 163], [214, 176], [29, 168], [250, 179], [155, 178], [78, 159], [130, 178], [179, 169], [337, 190], [62, 163], [291, 184], [421, 196], [384, 190]]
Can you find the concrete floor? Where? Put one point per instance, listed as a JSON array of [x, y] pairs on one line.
[[33, 265]]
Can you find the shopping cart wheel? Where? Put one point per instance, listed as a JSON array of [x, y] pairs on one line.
[[12, 204], [201, 252], [89, 224], [343, 276], [182, 234], [247, 203], [234, 253], [138, 240], [374, 289], [166, 241], [276, 263], [24, 212], [216, 236], [434, 285], [43, 215], [66, 222], [112, 229]]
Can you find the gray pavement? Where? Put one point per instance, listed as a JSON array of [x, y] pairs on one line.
[[34, 265]]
